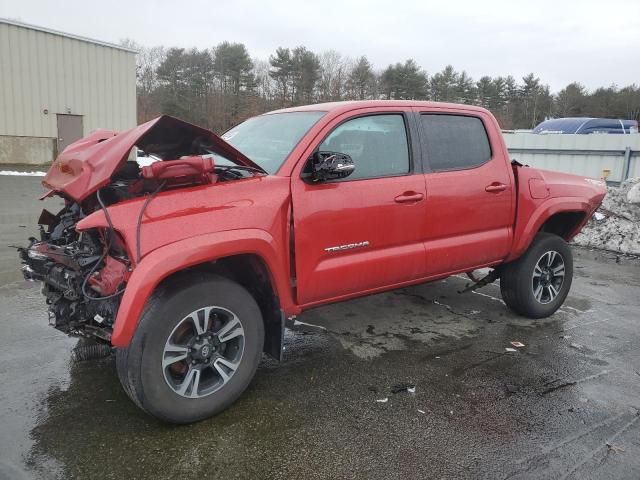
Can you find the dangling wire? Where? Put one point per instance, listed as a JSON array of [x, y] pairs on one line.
[[106, 251], [139, 224], [110, 243]]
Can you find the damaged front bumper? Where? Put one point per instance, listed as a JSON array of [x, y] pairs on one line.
[[81, 279]]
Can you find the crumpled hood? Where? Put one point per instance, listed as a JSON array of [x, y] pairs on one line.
[[88, 164]]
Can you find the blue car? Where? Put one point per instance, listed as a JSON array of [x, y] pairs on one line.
[[585, 125]]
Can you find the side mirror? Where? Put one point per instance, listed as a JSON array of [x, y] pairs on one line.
[[331, 166]]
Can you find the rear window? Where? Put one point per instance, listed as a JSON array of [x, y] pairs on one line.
[[455, 142]]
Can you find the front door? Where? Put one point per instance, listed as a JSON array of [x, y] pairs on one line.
[[69, 130], [364, 231]]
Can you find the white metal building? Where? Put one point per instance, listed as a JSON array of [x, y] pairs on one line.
[[56, 87]]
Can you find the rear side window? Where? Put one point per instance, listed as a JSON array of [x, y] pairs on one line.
[[377, 144], [455, 142]]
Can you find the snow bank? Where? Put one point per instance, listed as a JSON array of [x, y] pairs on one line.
[[617, 227], [21, 174], [633, 195]]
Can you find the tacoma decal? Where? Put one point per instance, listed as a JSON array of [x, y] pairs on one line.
[[347, 246]]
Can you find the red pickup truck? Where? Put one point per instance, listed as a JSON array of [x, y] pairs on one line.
[[190, 266]]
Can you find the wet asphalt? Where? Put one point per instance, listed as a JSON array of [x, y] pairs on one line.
[[564, 406]]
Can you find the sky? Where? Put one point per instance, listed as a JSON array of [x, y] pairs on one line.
[[590, 41]]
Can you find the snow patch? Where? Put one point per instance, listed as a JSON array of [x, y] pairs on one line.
[[633, 195], [15, 173], [616, 225]]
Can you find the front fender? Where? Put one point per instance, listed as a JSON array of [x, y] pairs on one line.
[[528, 223], [162, 262]]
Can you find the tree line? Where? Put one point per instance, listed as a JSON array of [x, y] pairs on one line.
[[221, 86]]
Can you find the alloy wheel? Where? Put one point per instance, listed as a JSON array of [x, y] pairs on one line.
[[548, 277], [203, 352]]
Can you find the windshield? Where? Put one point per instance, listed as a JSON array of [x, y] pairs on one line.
[[268, 139]]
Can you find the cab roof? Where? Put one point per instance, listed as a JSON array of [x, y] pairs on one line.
[[345, 106]]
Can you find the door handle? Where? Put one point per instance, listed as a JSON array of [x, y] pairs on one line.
[[495, 187], [408, 197]]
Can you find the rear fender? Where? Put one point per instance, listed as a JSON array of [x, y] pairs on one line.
[[528, 224], [164, 261]]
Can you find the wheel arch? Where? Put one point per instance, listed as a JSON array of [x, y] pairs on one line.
[[564, 224], [564, 216], [236, 254]]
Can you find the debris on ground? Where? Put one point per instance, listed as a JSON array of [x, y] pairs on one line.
[[616, 224], [510, 389], [614, 448], [383, 400], [403, 387], [517, 344], [308, 326], [577, 346]]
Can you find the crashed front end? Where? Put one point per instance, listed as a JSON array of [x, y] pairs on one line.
[[84, 271], [83, 274]]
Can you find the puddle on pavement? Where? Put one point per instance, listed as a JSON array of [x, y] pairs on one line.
[[323, 398], [426, 314], [94, 431], [318, 406], [295, 414]]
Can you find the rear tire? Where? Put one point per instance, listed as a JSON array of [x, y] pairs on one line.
[[195, 350], [537, 284]]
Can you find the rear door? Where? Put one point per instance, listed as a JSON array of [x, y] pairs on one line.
[[365, 231], [470, 192]]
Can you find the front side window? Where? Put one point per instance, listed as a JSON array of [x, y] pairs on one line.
[[268, 140], [455, 142], [377, 144]]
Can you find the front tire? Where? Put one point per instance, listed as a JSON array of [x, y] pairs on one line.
[[196, 348], [537, 284]]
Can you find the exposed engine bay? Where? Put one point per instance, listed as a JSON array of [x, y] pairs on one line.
[[80, 273], [84, 274]]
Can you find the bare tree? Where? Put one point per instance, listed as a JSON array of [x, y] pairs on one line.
[[224, 85], [147, 61], [333, 76]]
